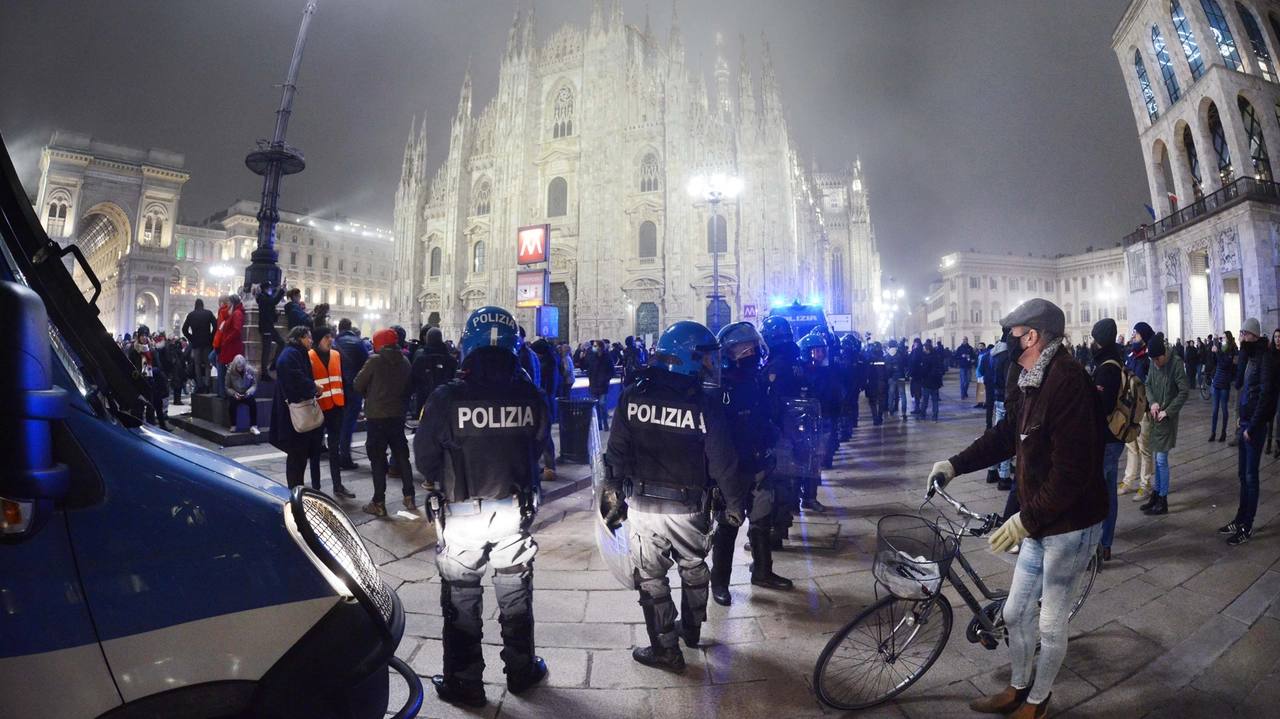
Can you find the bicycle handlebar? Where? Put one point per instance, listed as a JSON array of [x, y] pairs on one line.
[[989, 522]]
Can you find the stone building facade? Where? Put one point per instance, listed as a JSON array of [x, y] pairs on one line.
[[978, 289], [597, 132], [120, 206], [1202, 80]]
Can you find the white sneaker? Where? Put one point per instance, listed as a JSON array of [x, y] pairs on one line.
[[1141, 494], [255, 431], [1124, 488]]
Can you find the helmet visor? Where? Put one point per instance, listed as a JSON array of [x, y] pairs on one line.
[[711, 368]]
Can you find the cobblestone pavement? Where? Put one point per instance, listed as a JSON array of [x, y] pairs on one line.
[[1178, 625]]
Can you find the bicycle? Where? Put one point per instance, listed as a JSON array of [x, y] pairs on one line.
[[889, 645], [1206, 392]]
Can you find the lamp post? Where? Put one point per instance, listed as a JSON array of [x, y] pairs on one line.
[[715, 188]]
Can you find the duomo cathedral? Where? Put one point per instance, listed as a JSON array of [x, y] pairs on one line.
[[597, 132]]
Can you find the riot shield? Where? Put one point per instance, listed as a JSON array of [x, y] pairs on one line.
[[799, 446], [613, 545]]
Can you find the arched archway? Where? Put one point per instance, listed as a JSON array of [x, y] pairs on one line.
[[146, 311]]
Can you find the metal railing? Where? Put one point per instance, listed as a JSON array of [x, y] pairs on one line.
[[1245, 188]]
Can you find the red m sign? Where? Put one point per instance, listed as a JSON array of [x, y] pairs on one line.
[[533, 244]]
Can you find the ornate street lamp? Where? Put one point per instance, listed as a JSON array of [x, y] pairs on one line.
[[713, 189]]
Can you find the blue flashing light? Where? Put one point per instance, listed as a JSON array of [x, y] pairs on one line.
[[815, 300], [778, 302]]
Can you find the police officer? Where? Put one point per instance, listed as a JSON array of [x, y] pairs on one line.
[[746, 404], [786, 380], [853, 377], [827, 390], [478, 445], [669, 442]]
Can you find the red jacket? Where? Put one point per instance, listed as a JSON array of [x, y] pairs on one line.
[[217, 331], [232, 335]]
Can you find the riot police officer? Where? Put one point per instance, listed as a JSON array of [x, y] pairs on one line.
[[746, 405], [853, 377], [786, 381], [478, 445], [827, 390], [669, 441]]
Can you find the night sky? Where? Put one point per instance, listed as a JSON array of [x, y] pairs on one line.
[[995, 125]]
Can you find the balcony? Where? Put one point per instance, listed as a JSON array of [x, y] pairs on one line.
[[1245, 188]]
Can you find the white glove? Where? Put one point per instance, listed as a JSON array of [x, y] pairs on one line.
[[1009, 535], [943, 468]]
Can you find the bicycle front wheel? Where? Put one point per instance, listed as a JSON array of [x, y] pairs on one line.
[[1086, 584], [882, 651]]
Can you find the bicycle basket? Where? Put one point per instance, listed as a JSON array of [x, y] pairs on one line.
[[912, 556]]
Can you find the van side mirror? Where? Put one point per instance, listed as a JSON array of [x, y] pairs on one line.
[[30, 481]]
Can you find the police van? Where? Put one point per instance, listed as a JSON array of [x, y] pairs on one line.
[[142, 576], [803, 317]]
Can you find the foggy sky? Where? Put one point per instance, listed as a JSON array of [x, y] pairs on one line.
[[995, 125]]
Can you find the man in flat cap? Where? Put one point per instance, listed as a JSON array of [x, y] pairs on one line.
[[1054, 426], [1140, 467]]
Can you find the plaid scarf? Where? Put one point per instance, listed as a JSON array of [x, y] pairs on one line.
[[1034, 376]]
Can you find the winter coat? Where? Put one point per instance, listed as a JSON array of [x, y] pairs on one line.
[[384, 383], [267, 303], [294, 383], [295, 316], [240, 379], [877, 386], [599, 372], [1056, 432], [1108, 378], [964, 356], [219, 325], [433, 367], [353, 353], [232, 335], [929, 370], [199, 328], [1258, 388], [1225, 369], [1169, 387]]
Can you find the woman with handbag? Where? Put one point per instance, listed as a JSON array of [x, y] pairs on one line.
[[296, 419]]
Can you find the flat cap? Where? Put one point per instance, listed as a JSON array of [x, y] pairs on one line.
[[1038, 314]]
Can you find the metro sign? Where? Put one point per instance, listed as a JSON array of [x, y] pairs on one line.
[[533, 244]]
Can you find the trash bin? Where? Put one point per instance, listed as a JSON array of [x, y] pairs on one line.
[[576, 416]]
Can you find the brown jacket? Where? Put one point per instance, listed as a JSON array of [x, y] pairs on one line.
[[1057, 432]]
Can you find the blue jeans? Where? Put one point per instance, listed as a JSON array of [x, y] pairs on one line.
[[897, 396], [1111, 472], [1049, 571], [1162, 473], [222, 373], [1004, 466], [602, 409], [966, 376], [350, 415], [1221, 398], [1249, 456], [927, 395]]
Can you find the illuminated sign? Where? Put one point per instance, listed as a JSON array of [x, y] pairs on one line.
[[548, 321], [532, 288], [533, 244]]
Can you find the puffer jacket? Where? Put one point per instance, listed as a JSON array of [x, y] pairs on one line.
[[1225, 370], [1258, 389]]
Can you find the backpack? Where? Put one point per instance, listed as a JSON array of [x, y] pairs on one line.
[[437, 372], [1131, 405]]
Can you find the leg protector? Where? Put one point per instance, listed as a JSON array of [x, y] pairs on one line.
[[460, 603], [514, 590], [722, 555], [659, 620]]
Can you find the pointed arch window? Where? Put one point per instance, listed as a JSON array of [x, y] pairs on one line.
[[562, 114], [1187, 38], [648, 239], [558, 198], [717, 234], [1258, 41], [1139, 67], [1220, 148], [837, 280], [650, 173], [484, 191], [1257, 145], [435, 262], [1166, 65], [1193, 163], [477, 257], [1222, 34]]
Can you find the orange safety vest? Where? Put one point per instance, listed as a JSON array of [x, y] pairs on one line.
[[329, 381]]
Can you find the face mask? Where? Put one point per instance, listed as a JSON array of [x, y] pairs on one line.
[[1136, 346], [1015, 349], [893, 351]]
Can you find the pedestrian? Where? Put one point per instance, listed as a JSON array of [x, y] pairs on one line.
[[1223, 376], [354, 354], [746, 408], [599, 374], [220, 324], [632, 361], [384, 384], [198, 328], [320, 318], [272, 343], [965, 357], [980, 369], [295, 313], [147, 360], [930, 368], [326, 368], [242, 389], [1167, 390], [1271, 428], [1109, 375], [549, 373], [232, 337], [1053, 427], [877, 385], [175, 368], [1139, 465], [566, 369], [999, 474], [433, 367], [896, 364], [1192, 354], [478, 447], [1258, 390], [670, 466], [913, 374], [295, 383]]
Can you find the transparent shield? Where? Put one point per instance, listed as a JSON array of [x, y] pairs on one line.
[[798, 448], [613, 546]]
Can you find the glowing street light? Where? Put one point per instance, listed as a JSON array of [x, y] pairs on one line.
[[714, 189]]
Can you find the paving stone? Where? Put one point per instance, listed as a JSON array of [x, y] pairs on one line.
[[616, 606], [1105, 657], [615, 669], [1194, 654], [556, 703], [1234, 675], [583, 635], [1256, 599]]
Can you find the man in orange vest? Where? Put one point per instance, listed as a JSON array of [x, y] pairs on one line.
[[326, 367]]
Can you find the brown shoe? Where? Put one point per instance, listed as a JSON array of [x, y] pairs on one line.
[[377, 509], [1006, 702], [409, 503], [1032, 711]]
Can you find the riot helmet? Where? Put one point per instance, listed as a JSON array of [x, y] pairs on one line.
[[689, 348], [741, 345], [776, 330], [813, 348], [490, 327]]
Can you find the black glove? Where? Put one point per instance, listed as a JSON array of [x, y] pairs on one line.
[[613, 507], [733, 517], [528, 510]]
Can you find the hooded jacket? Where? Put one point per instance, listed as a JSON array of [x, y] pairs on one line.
[[240, 379], [1169, 387], [384, 383]]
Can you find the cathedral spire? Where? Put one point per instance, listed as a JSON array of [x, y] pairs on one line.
[[771, 101], [464, 99], [647, 33], [746, 87], [513, 39], [700, 83], [530, 40], [597, 17], [615, 16], [724, 104], [675, 41]]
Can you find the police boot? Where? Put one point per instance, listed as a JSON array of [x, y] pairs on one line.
[[660, 622], [522, 667], [722, 563], [461, 682], [693, 610], [762, 560]]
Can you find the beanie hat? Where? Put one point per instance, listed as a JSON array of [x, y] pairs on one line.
[[1252, 326], [1104, 331], [1144, 331], [384, 337], [1156, 347], [319, 333]]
